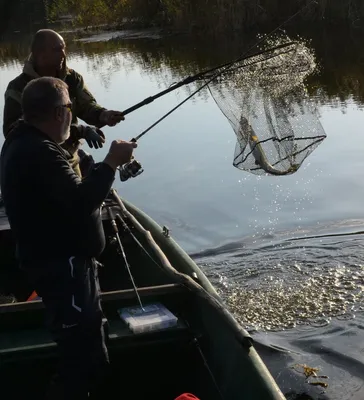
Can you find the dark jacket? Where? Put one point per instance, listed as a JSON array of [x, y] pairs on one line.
[[52, 213], [84, 105]]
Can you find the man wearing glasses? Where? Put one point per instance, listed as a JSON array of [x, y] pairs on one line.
[[48, 58], [58, 230]]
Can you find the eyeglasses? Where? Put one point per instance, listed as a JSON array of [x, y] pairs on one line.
[[68, 106]]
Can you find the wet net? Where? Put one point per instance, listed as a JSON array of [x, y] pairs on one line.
[[264, 98], [265, 101]]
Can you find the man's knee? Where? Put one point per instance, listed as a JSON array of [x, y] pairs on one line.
[[71, 297], [72, 300]]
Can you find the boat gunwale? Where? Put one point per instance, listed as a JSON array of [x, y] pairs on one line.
[[181, 268], [124, 294], [202, 287]]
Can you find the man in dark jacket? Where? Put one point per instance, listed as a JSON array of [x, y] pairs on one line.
[[48, 58], [55, 217]]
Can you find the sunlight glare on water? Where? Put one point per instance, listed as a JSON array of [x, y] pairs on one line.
[[279, 286], [236, 225]]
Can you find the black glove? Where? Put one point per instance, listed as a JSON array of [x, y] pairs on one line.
[[94, 137]]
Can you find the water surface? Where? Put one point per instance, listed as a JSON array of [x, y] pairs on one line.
[[300, 295]]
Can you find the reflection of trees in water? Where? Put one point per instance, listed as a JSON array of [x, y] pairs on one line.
[[164, 64], [104, 66], [340, 55], [14, 52]]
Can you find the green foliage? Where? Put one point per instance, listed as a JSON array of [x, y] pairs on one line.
[[339, 53], [84, 12], [212, 16], [88, 13]]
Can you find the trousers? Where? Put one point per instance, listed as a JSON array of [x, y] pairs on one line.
[[70, 291]]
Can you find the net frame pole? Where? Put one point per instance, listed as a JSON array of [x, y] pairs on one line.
[[200, 75]]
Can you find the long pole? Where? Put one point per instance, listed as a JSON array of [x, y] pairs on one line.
[[193, 78], [225, 68]]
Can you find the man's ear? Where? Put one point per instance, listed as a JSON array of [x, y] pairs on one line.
[[38, 58], [58, 114]]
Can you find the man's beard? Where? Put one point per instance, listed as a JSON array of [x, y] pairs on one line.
[[65, 134], [59, 69]]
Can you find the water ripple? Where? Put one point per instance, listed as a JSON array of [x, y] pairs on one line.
[[280, 286]]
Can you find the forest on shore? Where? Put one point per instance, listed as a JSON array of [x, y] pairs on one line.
[[207, 16]]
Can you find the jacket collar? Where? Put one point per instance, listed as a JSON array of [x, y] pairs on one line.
[[28, 68], [21, 128]]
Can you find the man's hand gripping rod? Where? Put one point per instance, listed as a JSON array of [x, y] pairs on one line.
[[131, 169]]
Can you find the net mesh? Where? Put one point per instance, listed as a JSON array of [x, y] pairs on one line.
[[265, 101]]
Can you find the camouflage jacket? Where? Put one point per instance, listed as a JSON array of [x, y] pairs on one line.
[[84, 105]]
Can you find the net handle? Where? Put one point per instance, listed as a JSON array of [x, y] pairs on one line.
[[201, 75], [226, 67]]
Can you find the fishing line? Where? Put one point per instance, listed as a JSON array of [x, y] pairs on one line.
[[224, 67], [262, 97], [244, 60]]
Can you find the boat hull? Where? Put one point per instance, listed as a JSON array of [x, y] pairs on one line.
[[207, 353]]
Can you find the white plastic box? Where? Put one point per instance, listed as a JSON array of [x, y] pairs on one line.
[[155, 317]]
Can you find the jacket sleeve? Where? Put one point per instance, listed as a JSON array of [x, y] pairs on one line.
[[75, 196], [86, 106], [12, 110]]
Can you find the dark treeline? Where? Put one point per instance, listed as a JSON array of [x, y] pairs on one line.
[[341, 61], [209, 16], [213, 17], [22, 15]]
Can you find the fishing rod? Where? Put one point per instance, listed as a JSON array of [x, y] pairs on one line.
[[122, 251], [226, 67], [133, 168], [248, 61]]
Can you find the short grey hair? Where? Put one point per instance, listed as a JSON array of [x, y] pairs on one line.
[[41, 96]]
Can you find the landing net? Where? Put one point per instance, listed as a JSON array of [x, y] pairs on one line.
[[265, 101]]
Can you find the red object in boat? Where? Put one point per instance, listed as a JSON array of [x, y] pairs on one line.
[[33, 296], [187, 396]]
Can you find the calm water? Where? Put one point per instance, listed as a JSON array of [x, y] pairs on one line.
[[300, 296]]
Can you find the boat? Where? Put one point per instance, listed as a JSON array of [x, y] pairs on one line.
[[202, 350]]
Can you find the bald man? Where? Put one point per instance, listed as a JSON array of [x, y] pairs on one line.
[[48, 58]]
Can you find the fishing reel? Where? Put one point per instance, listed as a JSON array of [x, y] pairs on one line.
[[130, 170]]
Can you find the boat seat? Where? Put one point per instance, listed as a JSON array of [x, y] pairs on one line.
[[24, 343], [38, 343], [127, 294]]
